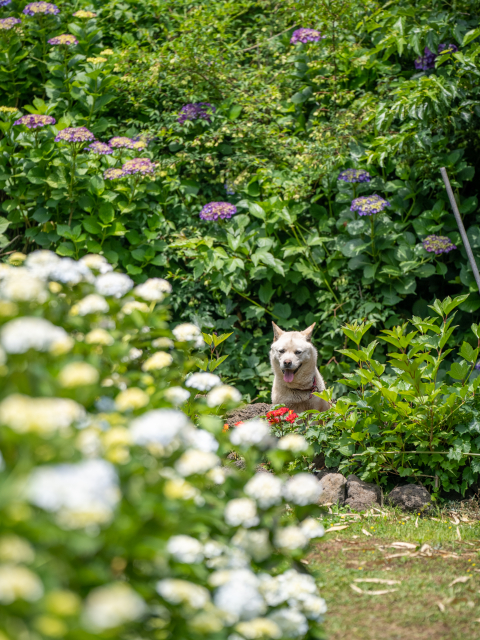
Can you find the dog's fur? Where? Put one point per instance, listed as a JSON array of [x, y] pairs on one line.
[[294, 363]]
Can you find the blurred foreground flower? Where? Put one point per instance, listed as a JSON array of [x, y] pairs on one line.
[[438, 244], [203, 381], [216, 210], [8, 23], [306, 35], [19, 583], [39, 415], [41, 8], [369, 205], [35, 120], [188, 332], [153, 289], [112, 605]]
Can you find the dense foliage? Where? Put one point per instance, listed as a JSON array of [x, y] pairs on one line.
[[117, 518], [273, 120]]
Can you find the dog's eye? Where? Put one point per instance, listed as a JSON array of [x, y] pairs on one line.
[[281, 351], [297, 353]]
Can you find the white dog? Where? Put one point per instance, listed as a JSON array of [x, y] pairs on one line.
[[294, 363]]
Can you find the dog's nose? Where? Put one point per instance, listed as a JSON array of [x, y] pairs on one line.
[[287, 364]]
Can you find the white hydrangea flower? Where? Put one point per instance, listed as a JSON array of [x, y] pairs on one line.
[[22, 334], [314, 607], [99, 336], [133, 354], [24, 414], [185, 549], [291, 586], [302, 489], [41, 263], [113, 284], [292, 623], [293, 442], [252, 432], [129, 307], [241, 511], [97, 262], [183, 592], [203, 381], [259, 628], [20, 285], [290, 538], [199, 439], [162, 343], [153, 289], [256, 543], [265, 488], [222, 394], [239, 596], [188, 332], [194, 461], [71, 272], [312, 528], [81, 494], [177, 395], [159, 426], [157, 361], [112, 605], [77, 374], [131, 399], [92, 303], [19, 583], [15, 550], [217, 475]]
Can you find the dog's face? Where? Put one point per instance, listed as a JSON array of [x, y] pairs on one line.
[[291, 350]]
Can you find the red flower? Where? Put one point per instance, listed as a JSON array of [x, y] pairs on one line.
[[237, 424], [275, 416]]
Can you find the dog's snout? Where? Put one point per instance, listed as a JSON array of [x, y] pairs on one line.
[[287, 364]]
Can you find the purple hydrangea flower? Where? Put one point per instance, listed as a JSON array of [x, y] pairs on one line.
[[144, 137], [196, 111], [477, 366], [75, 134], [121, 142], [306, 35], [113, 174], [138, 165], [3, 3], [41, 8], [102, 148], [427, 61], [216, 210], [35, 120], [438, 244], [354, 175], [229, 189], [8, 23], [447, 48], [65, 39], [369, 205]]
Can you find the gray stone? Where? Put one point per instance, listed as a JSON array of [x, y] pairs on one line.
[[247, 413], [410, 497], [333, 488], [362, 495]]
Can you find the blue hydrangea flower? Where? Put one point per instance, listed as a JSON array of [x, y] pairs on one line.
[[215, 210], [438, 244], [196, 111], [369, 205], [306, 35], [354, 175]]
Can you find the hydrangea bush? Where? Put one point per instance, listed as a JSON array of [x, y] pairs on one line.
[[118, 515]]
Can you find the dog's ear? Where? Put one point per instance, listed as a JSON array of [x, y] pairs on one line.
[[277, 332], [307, 334]]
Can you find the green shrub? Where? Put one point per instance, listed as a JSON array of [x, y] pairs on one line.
[[417, 416], [116, 515]]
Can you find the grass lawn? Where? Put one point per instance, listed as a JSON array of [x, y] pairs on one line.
[[421, 602]]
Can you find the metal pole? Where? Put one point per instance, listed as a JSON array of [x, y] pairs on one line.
[[456, 213]]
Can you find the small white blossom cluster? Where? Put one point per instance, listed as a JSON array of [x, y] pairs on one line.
[[251, 433], [22, 334], [112, 605], [203, 381], [81, 494], [188, 333], [153, 289], [24, 414]]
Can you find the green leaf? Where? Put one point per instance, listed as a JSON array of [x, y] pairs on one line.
[[282, 310], [208, 338], [265, 292], [468, 353], [256, 210], [106, 213], [3, 225], [469, 36], [215, 363], [96, 185], [219, 339], [235, 111], [459, 370]]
